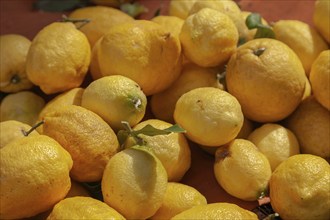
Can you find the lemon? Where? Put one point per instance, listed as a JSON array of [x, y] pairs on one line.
[[180, 8], [94, 67], [66, 65], [70, 97], [23, 106], [34, 176], [178, 198], [308, 89], [142, 51], [299, 188], [228, 7], [276, 142], [134, 183], [321, 18], [216, 211], [251, 33], [242, 170], [83, 208], [86, 136], [208, 38], [192, 76], [207, 112], [320, 78], [12, 130], [267, 78], [310, 123], [13, 52], [302, 39], [115, 98], [101, 18], [172, 149], [171, 24]]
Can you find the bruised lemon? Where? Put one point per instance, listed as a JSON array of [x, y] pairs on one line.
[[66, 65], [134, 183]]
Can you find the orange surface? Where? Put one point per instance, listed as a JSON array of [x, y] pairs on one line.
[[18, 17]]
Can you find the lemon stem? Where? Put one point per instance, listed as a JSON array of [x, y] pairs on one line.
[[259, 51], [26, 133], [15, 79], [83, 21]]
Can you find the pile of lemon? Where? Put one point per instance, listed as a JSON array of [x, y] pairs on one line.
[[260, 106]]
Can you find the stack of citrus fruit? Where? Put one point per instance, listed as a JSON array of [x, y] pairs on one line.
[[120, 106]]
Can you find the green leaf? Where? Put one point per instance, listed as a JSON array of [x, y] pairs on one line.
[[133, 9], [175, 129], [58, 5], [253, 20], [264, 32], [149, 130]]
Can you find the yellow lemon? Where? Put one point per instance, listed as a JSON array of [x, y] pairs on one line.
[[116, 99], [320, 79], [172, 24], [276, 142], [229, 8], [216, 211], [12, 130], [70, 97], [207, 112], [134, 183], [13, 52], [208, 38], [242, 170], [267, 78], [172, 149], [23, 106], [94, 67], [86, 136], [302, 39], [310, 122], [66, 65], [180, 8], [79, 207], [308, 89], [299, 188], [178, 198], [101, 18], [34, 176], [142, 51], [251, 33], [192, 76], [321, 18]]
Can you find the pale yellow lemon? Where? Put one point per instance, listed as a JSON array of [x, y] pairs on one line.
[[172, 24], [310, 123], [302, 39], [216, 211], [320, 79], [66, 65], [242, 170], [299, 188], [101, 19], [134, 183], [172, 150], [90, 141], [34, 176], [143, 51], [13, 52], [12, 130], [115, 98], [79, 207], [178, 198], [192, 76], [180, 8], [210, 116], [23, 106], [208, 38], [276, 142], [267, 78]]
